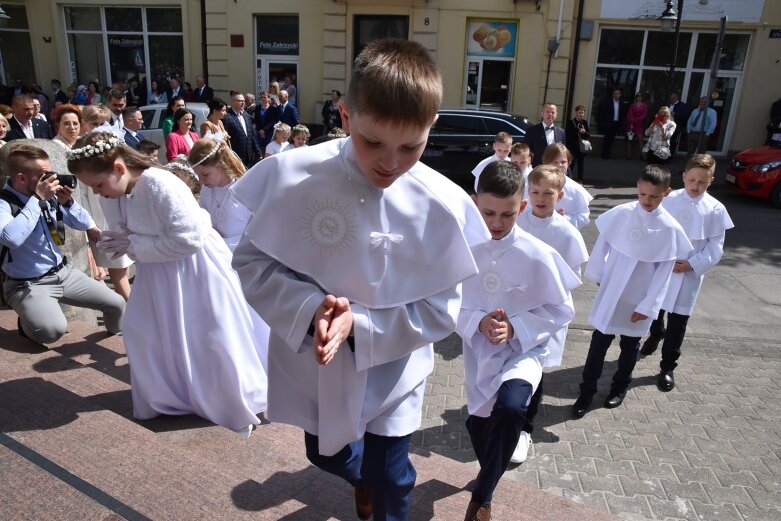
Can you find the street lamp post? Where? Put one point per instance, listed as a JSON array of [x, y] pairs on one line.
[[671, 21]]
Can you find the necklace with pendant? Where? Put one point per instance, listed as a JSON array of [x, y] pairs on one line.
[[219, 212], [361, 198]]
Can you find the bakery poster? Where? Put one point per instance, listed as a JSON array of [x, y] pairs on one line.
[[488, 38]]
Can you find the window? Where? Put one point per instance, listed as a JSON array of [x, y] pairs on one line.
[[16, 55], [114, 44], [375, 27], [451, 124]]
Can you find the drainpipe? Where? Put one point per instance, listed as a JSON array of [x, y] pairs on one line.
[[574, 66], [205, 61]]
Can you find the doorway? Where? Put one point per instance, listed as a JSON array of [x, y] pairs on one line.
[[275, 69], [488, 84]]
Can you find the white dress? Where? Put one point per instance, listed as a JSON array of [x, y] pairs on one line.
[[705, 221], [632, 262], [275, 148], [229, 216], [575, 203], [532, 283], [382, 249], [187, 329]]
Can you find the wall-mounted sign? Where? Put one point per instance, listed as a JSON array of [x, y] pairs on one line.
[[491, 38], [748, 11], [277, 35], [775, 33]]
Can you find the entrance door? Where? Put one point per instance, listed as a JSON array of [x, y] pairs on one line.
[[273, 69], [721, 100], [488, 84]]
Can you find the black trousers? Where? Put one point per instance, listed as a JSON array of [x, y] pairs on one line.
[[595, 361], [494, 438], [610, 136], [673, 337], [534, 406]]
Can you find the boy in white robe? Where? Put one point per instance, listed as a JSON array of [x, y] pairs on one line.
[[632, 263], [354, 256], [502, 143], [521, 155], [509, 316], [705, 221], [545, 187]]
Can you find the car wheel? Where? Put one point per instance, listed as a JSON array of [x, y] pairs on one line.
[[775, 195]]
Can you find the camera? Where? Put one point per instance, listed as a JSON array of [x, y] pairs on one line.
[[658, 119], [68, 180]]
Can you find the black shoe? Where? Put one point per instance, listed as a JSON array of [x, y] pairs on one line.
[[650, 345], [666, 381], [613, 400], [581, 405]]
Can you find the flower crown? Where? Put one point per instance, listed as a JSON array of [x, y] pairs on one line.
[[94, 149], [178, 165], [211, 153]]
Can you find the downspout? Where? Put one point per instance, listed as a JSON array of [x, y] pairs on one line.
[[205, 61], [558, 26], [574, 66]]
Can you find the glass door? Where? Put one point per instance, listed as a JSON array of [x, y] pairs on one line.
[[495, 85], [471, 92], [274, 69], [722, 101]]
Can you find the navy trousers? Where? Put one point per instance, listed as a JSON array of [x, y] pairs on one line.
[[673, 337], [534, 406], [595, 360], [380, 463], [494, 438]]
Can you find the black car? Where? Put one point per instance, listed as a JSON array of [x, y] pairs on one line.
[[461, 138]]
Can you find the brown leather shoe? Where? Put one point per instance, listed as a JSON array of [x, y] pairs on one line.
[[477, 512], [363, 502]]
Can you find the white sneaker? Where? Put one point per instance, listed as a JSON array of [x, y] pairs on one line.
[[522, 450]]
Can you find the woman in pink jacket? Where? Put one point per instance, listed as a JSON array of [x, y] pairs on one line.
[[181, 139], [635, 123]]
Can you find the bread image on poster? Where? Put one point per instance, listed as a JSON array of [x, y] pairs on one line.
[[491, 38]]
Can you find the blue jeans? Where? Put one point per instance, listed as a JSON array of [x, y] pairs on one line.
[[595, 360], [494, 438], [380, 463]]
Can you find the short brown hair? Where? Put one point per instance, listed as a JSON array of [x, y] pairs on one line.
[[580, 107], [705, 161], [104, 162], [553, 150], [549, 172], [208, 152], [503, 137], [395, 81], [519, 147], [20, 154]]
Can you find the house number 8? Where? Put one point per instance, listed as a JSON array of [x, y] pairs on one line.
[[427, 21]]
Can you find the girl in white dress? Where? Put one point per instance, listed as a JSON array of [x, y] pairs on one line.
[[188, 333], [279, 141]]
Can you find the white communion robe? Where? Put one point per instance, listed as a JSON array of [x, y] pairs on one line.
[[558, 233], [533, 284], [632, 262], [575, 203], [398, 254], [187, 328], [477, 170], [705, 221]]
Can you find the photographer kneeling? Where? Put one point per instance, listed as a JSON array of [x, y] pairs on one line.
[[38, 275]]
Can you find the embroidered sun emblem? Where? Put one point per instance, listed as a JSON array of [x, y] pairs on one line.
[[685, 217], [329, 225], [492, 283], [635, 234]]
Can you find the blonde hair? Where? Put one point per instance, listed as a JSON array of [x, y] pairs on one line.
[[664, 110], [3, 121], [552, 173], [395, 81], [519, 147], [208, 152], [555, 150], [95, 115], [282, 128], [503, 137]]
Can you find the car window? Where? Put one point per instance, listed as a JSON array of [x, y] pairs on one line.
[[458, 124], [498, 125], [149, 116]]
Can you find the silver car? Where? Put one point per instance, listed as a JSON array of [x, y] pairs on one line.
[[153, 123]]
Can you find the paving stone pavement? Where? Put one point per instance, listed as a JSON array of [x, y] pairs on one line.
[[708, 450]]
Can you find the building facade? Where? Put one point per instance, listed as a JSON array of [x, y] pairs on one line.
[[508, 55]]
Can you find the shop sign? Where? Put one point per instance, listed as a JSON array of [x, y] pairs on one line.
[[277, 35]]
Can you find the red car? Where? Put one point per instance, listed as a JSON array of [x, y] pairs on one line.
[[757, 172]]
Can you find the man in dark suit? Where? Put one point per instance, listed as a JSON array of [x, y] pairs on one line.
[[133, 121], [23, 125], [679, 111], [288, 113], [244, 139], [202, 93], [612, 115], [544, 133], [59, 96], [265, 118], [175, 89]]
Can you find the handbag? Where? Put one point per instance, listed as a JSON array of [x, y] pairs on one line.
[[662, 152], [585, 146]]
